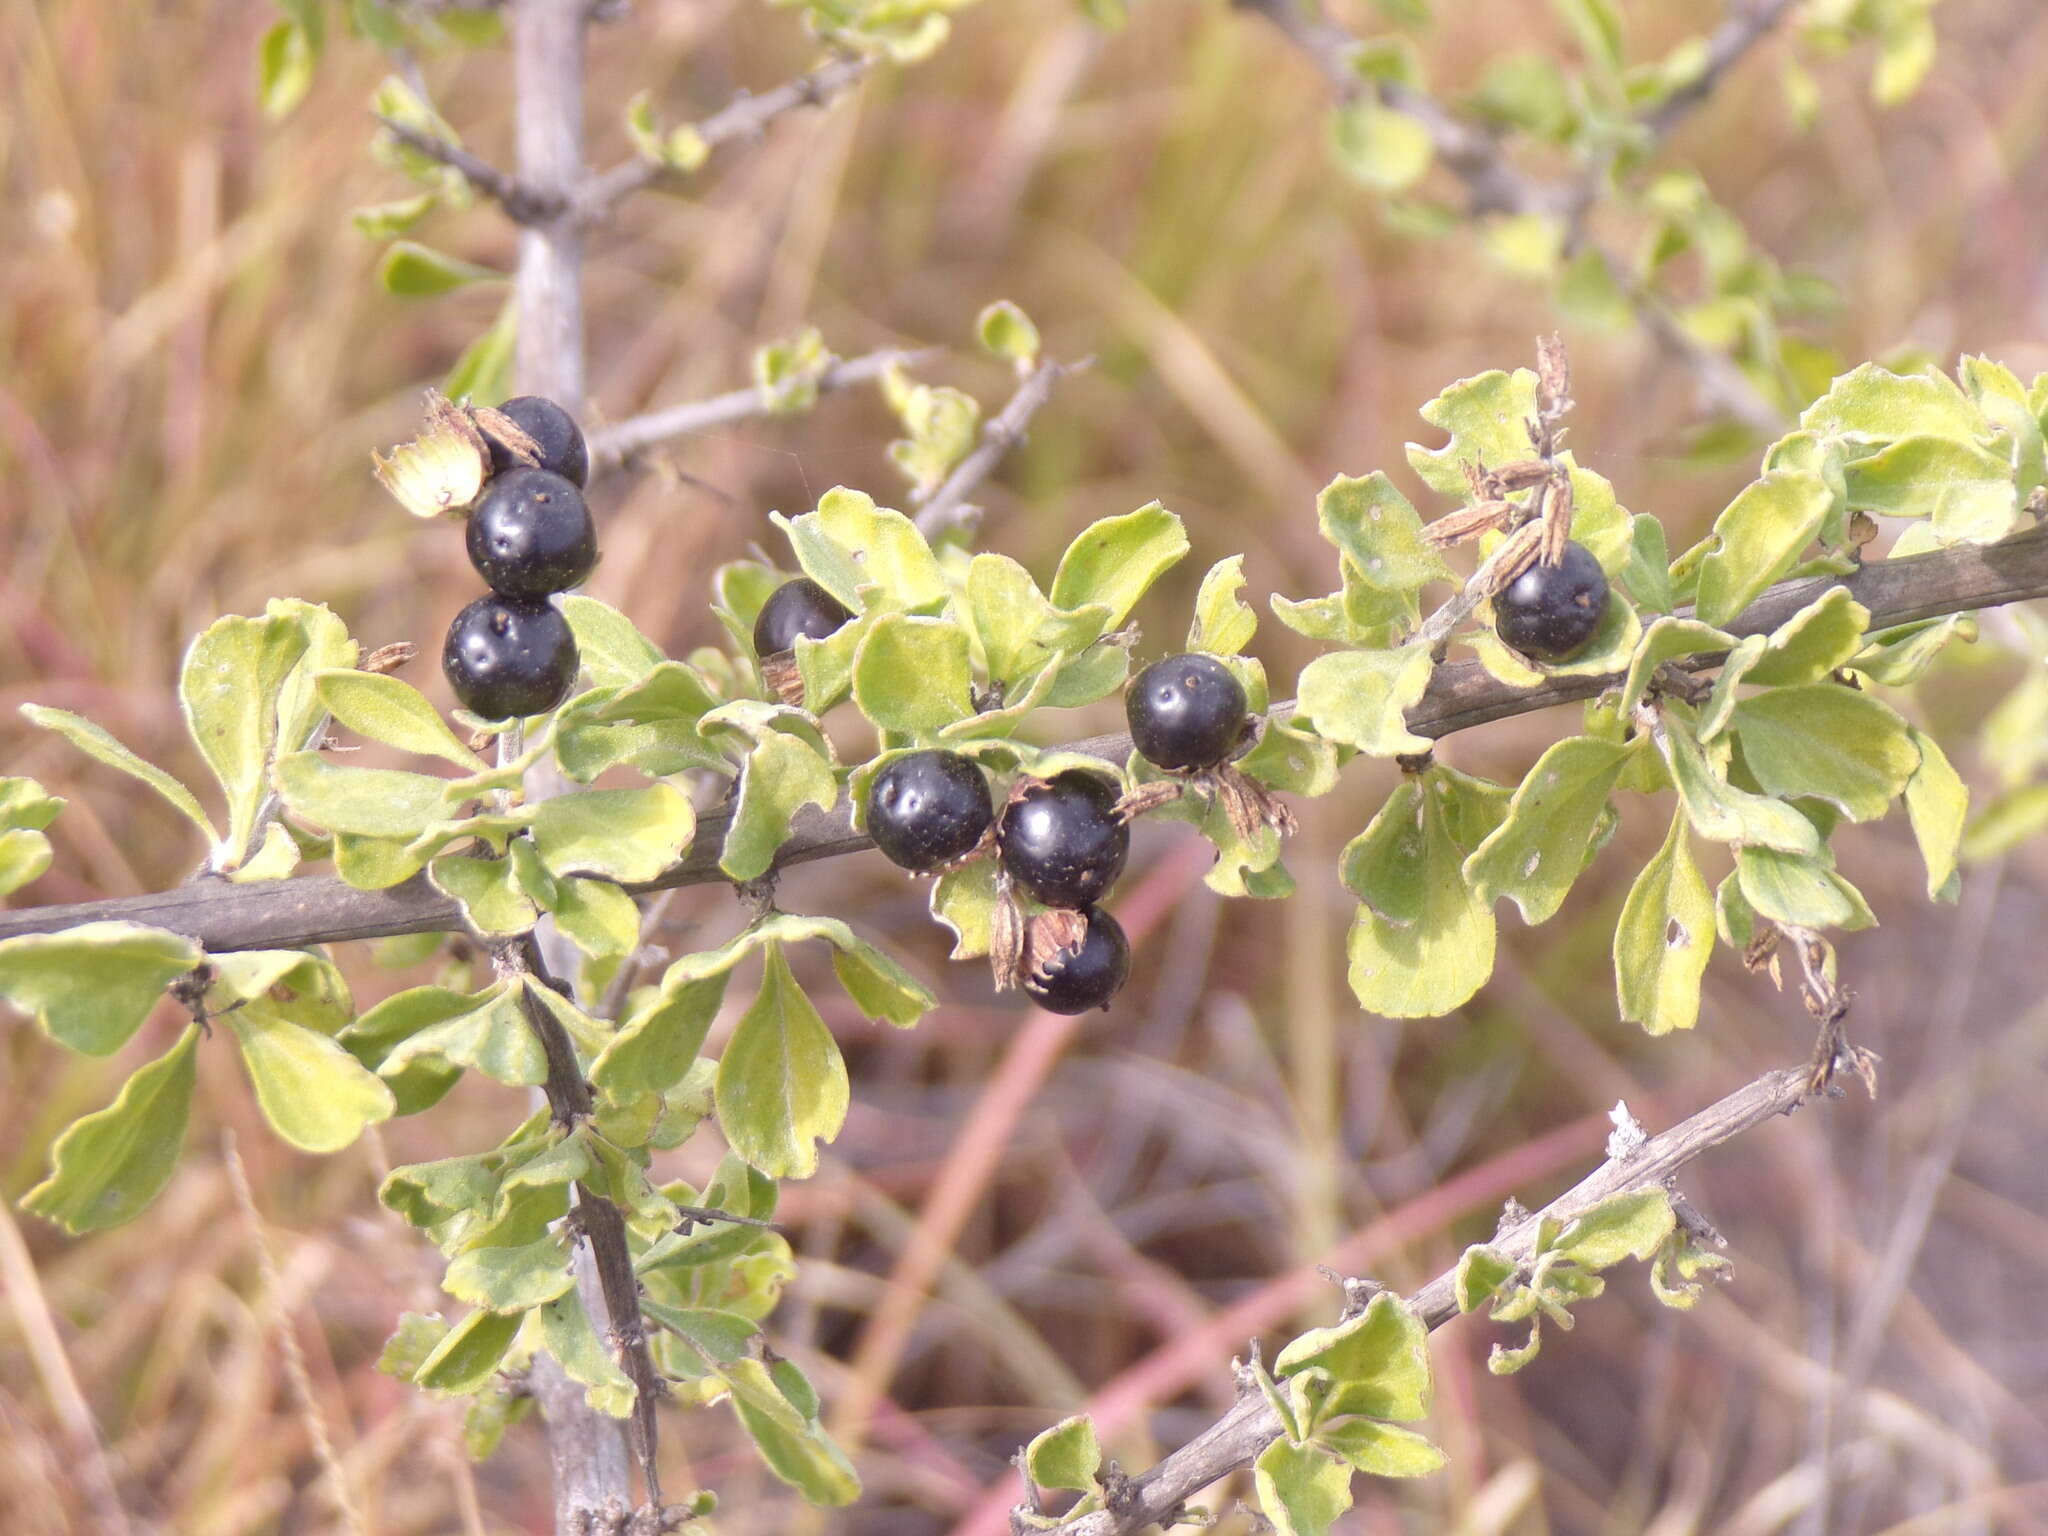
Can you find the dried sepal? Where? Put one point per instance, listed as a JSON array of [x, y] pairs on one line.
[[440, 472], [1469, 523], [1051, 936], [1516, 554], [1250, 806], [506, 433], [1557, 517], [783, 678], [1006, 937], [1147, 797], [388, 658]]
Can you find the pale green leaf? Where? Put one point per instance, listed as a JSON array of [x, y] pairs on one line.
[[1381, 1450], [1799, 888], [879, 987], [284, 68], [1302, 1490], [2009, 820], [1872, 404], [656, 1043], [1538, 851], [1115, 561], [1758, 539], [783, 774], [1664, 939], [1966, 489], [1422, 943], [465, 1360], [313, 1092], [1667, 639], [100, 746], [613, 652], [1065, 1456], [1224, 624], [511, 1279], [628, 835], [1374, 525], [1937, 804], [1378, 1361], [1632, 1225], [92, 986], [491, 1035], [964, 900], [913, 675], [1717, 809], [415, 271], [596, 916], [1378, 147], [1827, 741], [1487, 417], [1361, 698], [369, 802], [111, 1163], [482, 371], [1007, 332], [488, 892], [384, 709], [1816, 640], [1481, 1271], [792, 1443], [781, 1082]]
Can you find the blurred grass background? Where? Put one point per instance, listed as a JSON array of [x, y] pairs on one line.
[[194, 363]]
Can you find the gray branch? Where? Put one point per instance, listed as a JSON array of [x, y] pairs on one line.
[[610, 446], [321, 909], [746, 117], [1235, 1440], [522, 204], [947, 505]]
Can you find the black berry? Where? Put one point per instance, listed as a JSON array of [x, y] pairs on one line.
[[554, 431], [1073, 981], [1062, 840], [509, 657], [928, 809], [799, 607], [530, 534], [1186, 712], [1550, 612]]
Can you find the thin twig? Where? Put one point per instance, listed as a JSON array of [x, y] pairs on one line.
[[610, 446], [947, 507], [1249, 1426], [319, 909], [1747, 26], [745, 117], [522, 204]]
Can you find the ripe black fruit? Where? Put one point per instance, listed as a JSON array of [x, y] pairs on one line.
[[1550, 612], [509, 657], [553, 430], [530, 534], [1073, 981], [928, 809], [799, 607], [1062, 840], [1186, 712]]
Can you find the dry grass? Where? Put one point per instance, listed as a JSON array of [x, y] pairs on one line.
[[193, 364]]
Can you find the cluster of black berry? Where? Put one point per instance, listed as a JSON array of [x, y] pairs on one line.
[[1062, 841], [510, 653]]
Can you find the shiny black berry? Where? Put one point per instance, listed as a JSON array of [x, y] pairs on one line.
[[928, 809], [1186, 712], [1550, 612], [799, 607], [1062, 840], [1073, 981], [530, 534], [509, 657], [554, 431]]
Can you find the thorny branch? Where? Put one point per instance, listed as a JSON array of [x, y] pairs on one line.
[[318, 909], [1248, 1427], [947, 507]]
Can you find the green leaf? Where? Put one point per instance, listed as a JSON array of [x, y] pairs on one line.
[[487, 891], [880, 988], [1381, 1450], [111, 1163], [1361, 698], [1905, 54], [783, 774], [1827, 741], [964, 900], [1758, 539], [781, 1082], [1481, 1271], [101, 747], [1224, 624], [1664, 938], [613, 652], [1632, 1225], [1667, 639], [415, 271], [1717, 809], [913, 675], [464, 1360], [1422, 942], [2009, 820], [1721, 702], [483, 371], [284, 69], [313, 1092], [660, 1038], [1871, 404], [1538, 851], [24, 855], [294, 984], [384, 709], [1897, 657], [1937, 804], [885, 547], [1799, 888], [596, 916], [229, 686], [1302, 1490], [1007, 332], [566, 1333], [1487, 417], [1588, 293], [1646, 572], [787, 372], [1966, 489], [1810, 645], [369, 802], [498, 1406], [1378, 1361], [1374, 525], [628, 835], [1115, 561], [1065, 1456], [410, 1344], [792, 1443], [1378, 147], [387, 221], [1502, 1361], [491, 1036], [92, 986], [511, 1279], [941, 422]]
